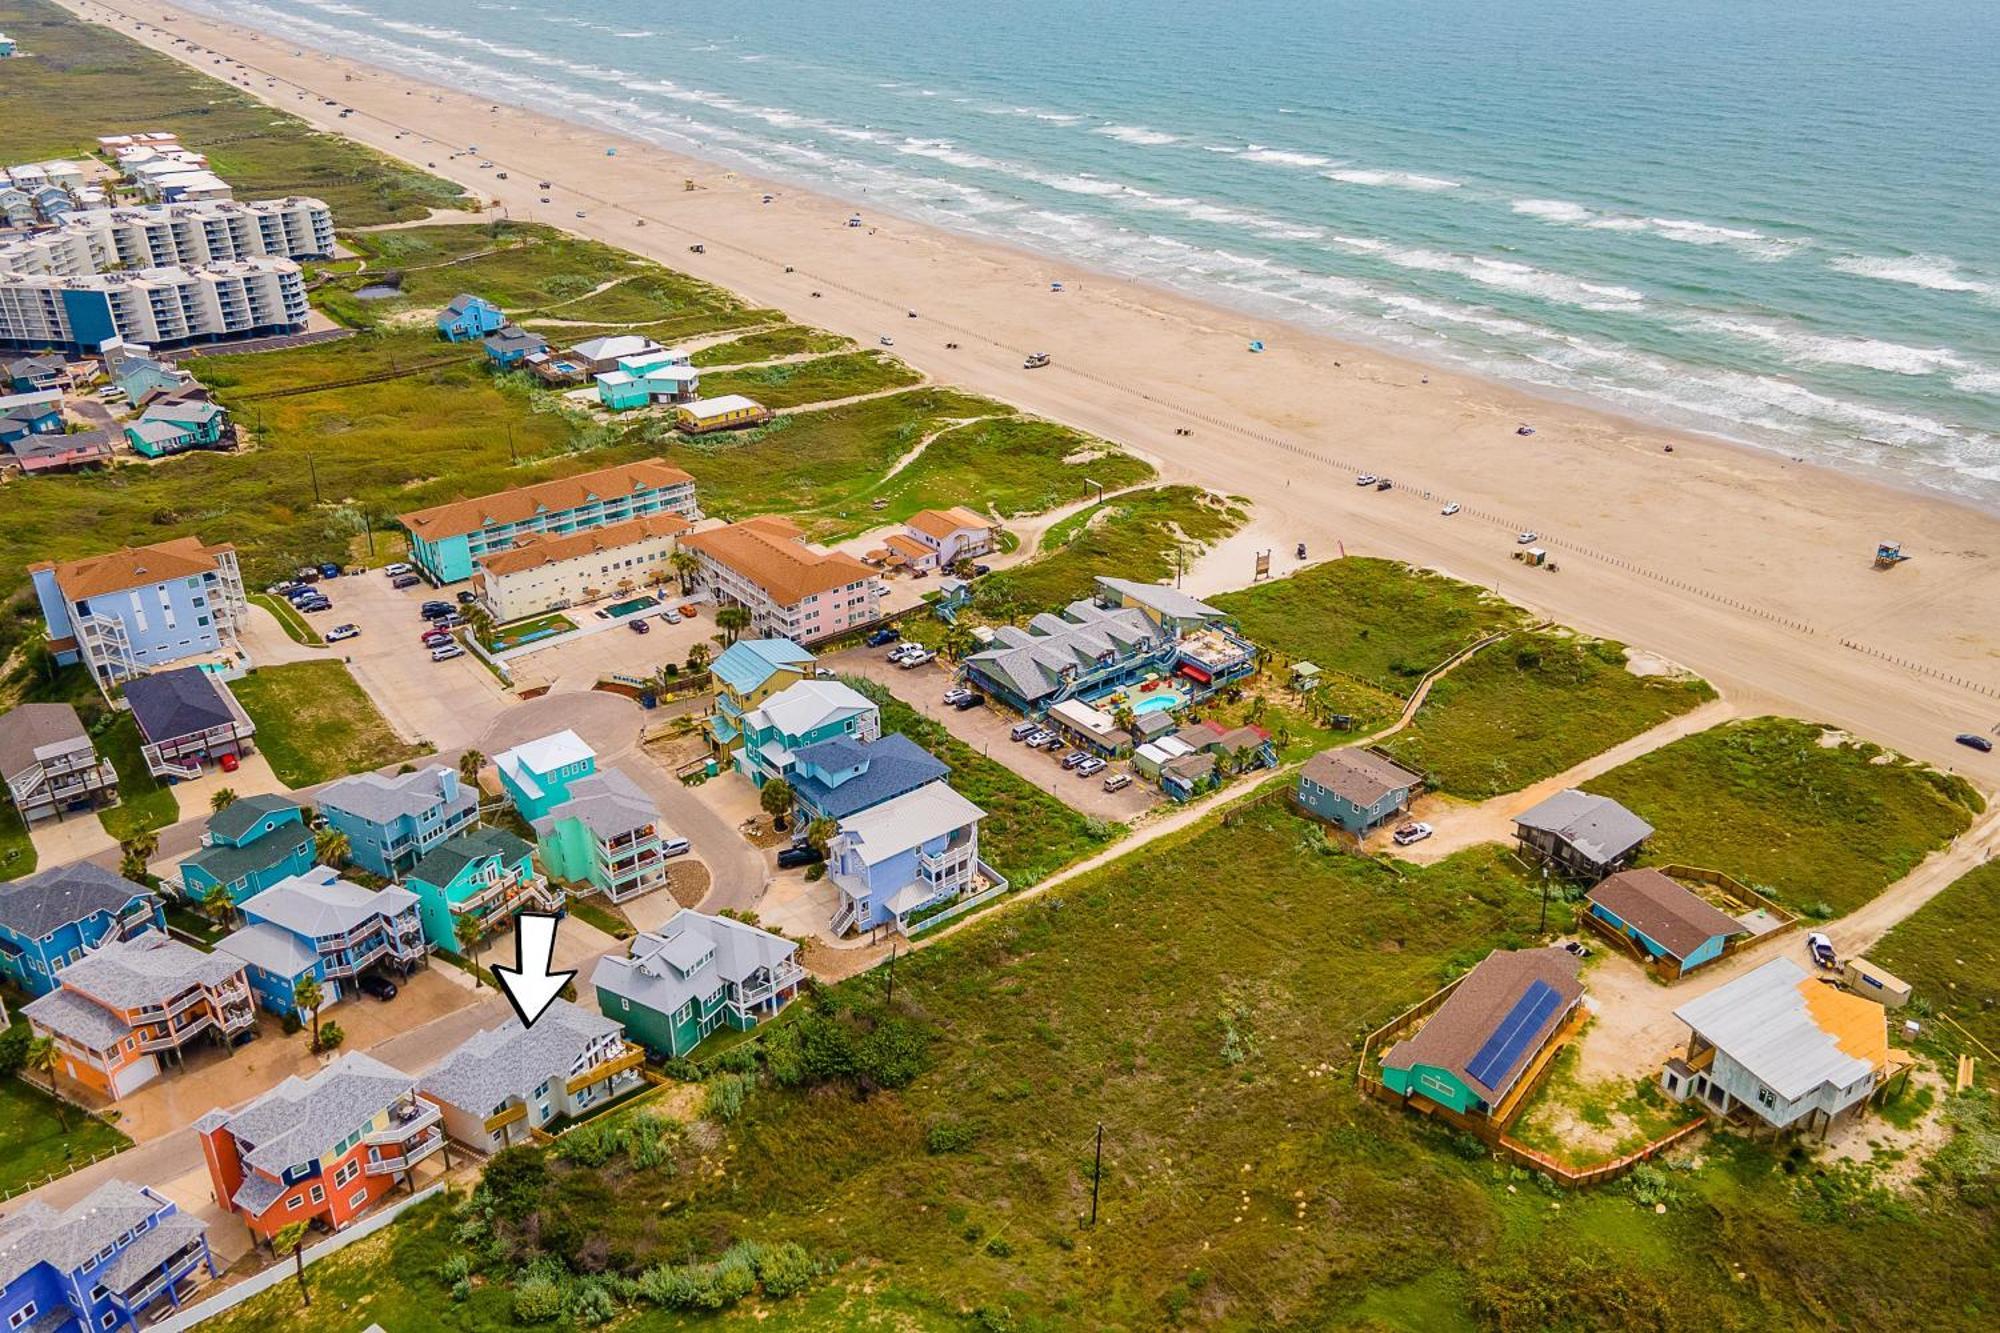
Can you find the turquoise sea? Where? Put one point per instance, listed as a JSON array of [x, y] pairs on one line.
[[1778, 222]]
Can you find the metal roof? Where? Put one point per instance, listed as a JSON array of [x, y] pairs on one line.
[[1597, 826], [1790, 1032]]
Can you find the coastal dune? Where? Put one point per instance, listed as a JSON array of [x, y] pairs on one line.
[[1748, 567]]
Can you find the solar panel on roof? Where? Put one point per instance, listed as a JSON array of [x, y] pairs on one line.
[[1516, 1030]]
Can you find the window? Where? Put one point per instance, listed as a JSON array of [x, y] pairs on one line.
[[317, 1194], [624, 1004], [98, 1293], [296, 1201], [109, 1318], [22, 1315], [358, 1198], [1767, 1099]]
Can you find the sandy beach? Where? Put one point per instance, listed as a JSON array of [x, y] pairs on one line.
[[1747, 567]]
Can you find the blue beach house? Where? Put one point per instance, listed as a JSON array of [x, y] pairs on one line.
[[391, 823], [172, 427], [508, 346], [1356, 789], [837, 778], [536, 775], [121, 1257], [898, 862], [249, 845], [53, 917], [140, 376], [25, 414], [802, 714], [469, 317], [1662, 920], [320, 925]]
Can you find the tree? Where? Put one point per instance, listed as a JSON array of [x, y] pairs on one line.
[[958, 643], [138, 849], [776, 798], [292, 1237], [479, 623], [331, 848], [469, 765], [222, 800], [330, 1036], [307, 995], [820, 833], [732, 620], [473, 932], [44, 1058], [698, 656], [1124, 718], [218, 904], [686, 566]]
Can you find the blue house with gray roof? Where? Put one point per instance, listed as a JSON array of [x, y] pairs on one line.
[[249, 845], [115, 1259], [469, 317], [838, 778], [391, 822], [53, 917]]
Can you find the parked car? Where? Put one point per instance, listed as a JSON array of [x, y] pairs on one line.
[[638, 626], [228, 763], [1449, 509], [285, 589], [1523, 538], [452, 621], [1365, 479], [405, 581], [374, 983], [307, 574], [799, 854], [435, 608], [1821, 949], [329, 570], [887, 634], [1022, 730], [444, 652], [977, 570], [1056, 745], [1041, 740], [1118, 782], [1974, 740], [1410, 833], [970, 701], [955, 693], [902, 650], [431, 638], [913, 660], [342, 632], [244, 1038], [1073, 758], [675, 847], [312, 606], [467, 598], [399, 567], [1091, 767], [1384, 484], [1582, 950], [671, 616]]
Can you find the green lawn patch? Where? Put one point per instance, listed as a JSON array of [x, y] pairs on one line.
[[17, 850], [1380, 620], [770, 344], [504, 637], [33, 1144], [1813, 824], [823, 379], [188, 923], [315, 724], [1949, 953], [289, 620], [107, 83], [603, 915], [1531, 706], [1137, 536]]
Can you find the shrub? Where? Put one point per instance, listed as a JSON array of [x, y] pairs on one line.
[[14, 1049], [785, 1269], [590, 1145], [724, 1097], [514, 1181], [455, 1269], [538, 1300], [893, 1054], [948, 1136]]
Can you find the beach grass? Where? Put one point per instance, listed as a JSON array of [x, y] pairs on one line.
[[314, 723], [769, 344], [1530, 706], [1814, 819], [1382, 621], [82, 80], [820, 380], [1949, 953], [1141, 535]]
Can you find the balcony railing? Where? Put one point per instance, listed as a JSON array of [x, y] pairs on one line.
[[791, 974], [632, 1058], [406, 1118], [518, 1111], [413, 1151], [177, 1266]]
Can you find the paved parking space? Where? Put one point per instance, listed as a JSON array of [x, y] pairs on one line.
[[985, 729], [609, 646]]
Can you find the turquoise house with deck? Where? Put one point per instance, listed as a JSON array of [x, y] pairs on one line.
[[1661, 919], [536, 774], [486, 873], [249, 845], [469, 317]]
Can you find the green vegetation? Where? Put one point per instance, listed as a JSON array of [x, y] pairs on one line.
[[17, 850], [603, 915], [770, 344], [289, 620], [1949, 953], [1027, 834], [1531, 706], [821, 380], [1007, 465], [1380, 620], [106, 83], [314, 723], [33, 1144], [1809, 816], [1583, 1124], [519, 632], [1143, 535]]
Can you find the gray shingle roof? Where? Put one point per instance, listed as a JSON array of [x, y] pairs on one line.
[[896, 764], [608, 802], [1358, 775], [1596, 826], [382, 800], [146, 969], [648, 977], [318, 904], [169, 704], [272, 948], [1031, 661], [43, 901], [67, 1240], [34, 727], [70, 1015], [151, 1249], [302, 1118], [1163, 599], [510, 1061]]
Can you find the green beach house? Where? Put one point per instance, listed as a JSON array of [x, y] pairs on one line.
[[1481, 1050], [536, 775], [250, 844], [694, 975], [486, 873], [606, 835]]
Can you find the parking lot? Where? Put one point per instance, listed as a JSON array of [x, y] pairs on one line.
[[611, 646], [985, 729]]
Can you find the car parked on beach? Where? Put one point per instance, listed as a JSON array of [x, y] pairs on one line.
[[1449, 509], [1365, 479], [1973, 740], [1523, 538]]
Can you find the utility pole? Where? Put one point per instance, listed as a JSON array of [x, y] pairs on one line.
[[1543, 929], [313, 468], [892, 974], [1097, 1173], [512, 457]]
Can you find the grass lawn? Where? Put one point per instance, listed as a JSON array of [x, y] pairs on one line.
[[1582, 1124], [1027, 834], [1169, 999], [17, 850], [1812, 824], [106, 83], [823, 379], [32, 1142], [289, 620], [522, 631], [1380, 620], [1531, 706], [769, 344], [185, 921], [603, 915], [1949, 953], [314, 723], [1134, 536]]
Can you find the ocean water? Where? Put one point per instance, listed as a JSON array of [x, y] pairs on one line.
[[1778, 222]]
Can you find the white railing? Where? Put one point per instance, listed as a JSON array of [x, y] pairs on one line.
[[400, 1131], [413, 1152]]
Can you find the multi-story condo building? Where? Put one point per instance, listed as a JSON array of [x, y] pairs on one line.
[[547, 573], [693, 975], [55, 916], [345, 929], [503, 1084], [124, 1007], [173, 236], [896, 862], [447, 541], [484, 873], [115, 1259], [749, 672], [49, 764], [249, 846], [790, 590], [161, 307], [322, 1149], [392, 822], [606, 835], [142, 607]]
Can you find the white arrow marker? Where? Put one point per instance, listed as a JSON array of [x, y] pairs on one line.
[[529, 984]]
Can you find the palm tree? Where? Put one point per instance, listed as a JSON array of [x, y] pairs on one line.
[[222, 800], [820, 833], [732, 620], [331, 848], [697, 656], [686, 566], [776, 798], [1124, 718], [958, 643], [307, 995], [469, 765], [473, 932], [139, 849], [292, 1236], [218, 904], [44, 1058]]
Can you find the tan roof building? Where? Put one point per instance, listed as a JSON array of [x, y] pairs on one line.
[[459, 517], [942, 523], [537, 550], [135, 567], [791, 590]]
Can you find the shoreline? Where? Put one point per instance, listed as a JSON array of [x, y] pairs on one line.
[[1729, 557]]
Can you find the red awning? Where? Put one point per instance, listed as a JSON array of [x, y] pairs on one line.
[[1193, 672]]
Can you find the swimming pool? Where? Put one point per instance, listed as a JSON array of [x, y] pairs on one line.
[[1158, 701], [617, 609]]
